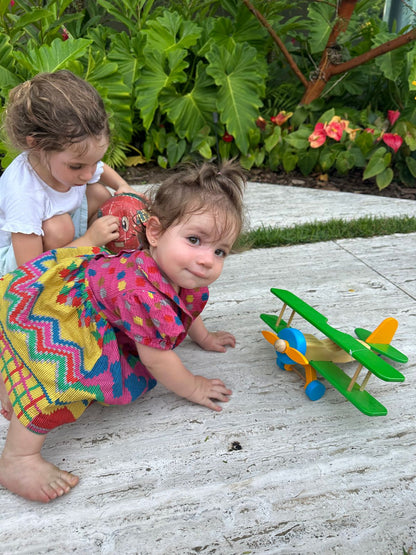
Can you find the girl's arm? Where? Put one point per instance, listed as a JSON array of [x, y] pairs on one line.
[[26, 246], [210, 341], [167, 368], [110, 178]]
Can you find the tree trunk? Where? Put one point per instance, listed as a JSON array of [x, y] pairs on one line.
[[327, 68]]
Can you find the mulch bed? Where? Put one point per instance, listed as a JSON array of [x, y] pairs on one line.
[[352, 183]]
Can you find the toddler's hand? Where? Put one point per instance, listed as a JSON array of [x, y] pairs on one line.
[[206, 390], [216, 341], [103, 230]]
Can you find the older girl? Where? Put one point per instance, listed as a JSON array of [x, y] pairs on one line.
[[50, 193]]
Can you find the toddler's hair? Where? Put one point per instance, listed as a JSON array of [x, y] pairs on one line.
[[55, 109], [199, 189]]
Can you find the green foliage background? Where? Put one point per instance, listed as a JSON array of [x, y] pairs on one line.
[[177, 76]]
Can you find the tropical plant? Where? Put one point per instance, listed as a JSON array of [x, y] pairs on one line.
[[382, 147], [35, 38], [191, 80]]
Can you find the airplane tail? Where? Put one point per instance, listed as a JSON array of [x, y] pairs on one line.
[[380, 339], [384, 332]]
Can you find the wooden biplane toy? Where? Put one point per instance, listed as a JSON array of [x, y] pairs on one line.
[[323, 355]]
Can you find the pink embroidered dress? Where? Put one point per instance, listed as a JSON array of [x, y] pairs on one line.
[[69, 320]]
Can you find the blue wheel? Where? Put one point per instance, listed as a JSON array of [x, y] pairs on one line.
[[315, 390]]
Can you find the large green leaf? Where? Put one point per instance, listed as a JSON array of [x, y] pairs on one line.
[[392, 63], [170, 32], [321, 15], [175, 150], [127, 52], [240, 77], [190, 112], [245, 28], [167, 38], [8, 78], [107, 79], [159, 73], [124, 12], [51, 58]]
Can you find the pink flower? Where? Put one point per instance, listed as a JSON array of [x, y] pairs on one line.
[[281, 117], [227, 138], [334, 129], [369, 130], [12, 3], [393, 140], [393, 116], [318, 136], [64, 33]]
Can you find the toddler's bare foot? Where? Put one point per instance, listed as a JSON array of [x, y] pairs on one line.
[[33, 478], [5, 403]]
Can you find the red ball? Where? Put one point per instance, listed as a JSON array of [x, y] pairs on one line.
[[132, 213]]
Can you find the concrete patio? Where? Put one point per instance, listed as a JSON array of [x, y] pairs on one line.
[[163, 476]]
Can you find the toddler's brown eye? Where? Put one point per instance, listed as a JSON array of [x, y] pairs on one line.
[[125, 223]]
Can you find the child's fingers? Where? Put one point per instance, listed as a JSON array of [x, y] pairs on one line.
[[219, 391], [225, 338]]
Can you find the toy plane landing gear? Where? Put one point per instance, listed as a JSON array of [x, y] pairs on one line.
[[323, 355]]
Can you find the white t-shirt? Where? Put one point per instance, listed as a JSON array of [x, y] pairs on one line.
[[26, 200]]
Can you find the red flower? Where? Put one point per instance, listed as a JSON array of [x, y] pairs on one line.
[[64, 33], [393, 116], [334, 129], [393, 140], [12, 3], [369, 130], [281, 117], [227, 138], [318, 136]]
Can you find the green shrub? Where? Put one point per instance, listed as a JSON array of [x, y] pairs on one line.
[[201, 80]]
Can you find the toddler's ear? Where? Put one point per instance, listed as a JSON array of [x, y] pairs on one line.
[[153, 230]]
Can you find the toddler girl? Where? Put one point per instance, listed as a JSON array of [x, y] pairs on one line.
[[82, 325], [50, 193]]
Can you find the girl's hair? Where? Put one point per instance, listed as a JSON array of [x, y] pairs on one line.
[[200, 189], [56, 110]]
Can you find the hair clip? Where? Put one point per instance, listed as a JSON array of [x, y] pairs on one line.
[[142, 216]]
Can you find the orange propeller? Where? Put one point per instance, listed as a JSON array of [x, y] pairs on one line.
[[283, 346]]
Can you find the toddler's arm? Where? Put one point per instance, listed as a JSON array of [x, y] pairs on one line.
[[110, 178], [167, 368], [210, 341]]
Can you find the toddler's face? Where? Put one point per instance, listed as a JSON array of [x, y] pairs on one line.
[[76, 165], [191, 254]]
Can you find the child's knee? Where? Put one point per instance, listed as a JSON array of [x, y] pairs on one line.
[[97, 194], [58, 232]]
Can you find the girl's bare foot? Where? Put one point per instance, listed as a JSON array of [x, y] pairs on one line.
[[5, 403], [23, 470], [34, 478]]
